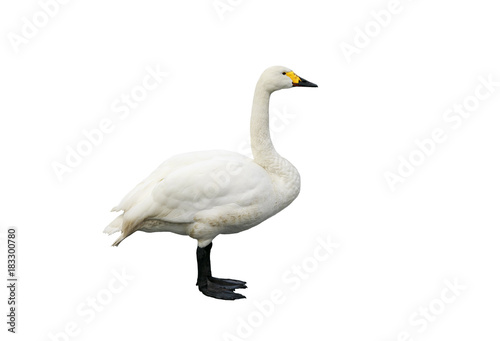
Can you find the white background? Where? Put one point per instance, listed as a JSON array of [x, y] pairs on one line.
[[397, 248]]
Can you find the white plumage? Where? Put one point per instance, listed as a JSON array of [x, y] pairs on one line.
[[204, 194], [200, 194]]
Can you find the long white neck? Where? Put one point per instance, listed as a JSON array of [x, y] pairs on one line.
[[262, 147], [285, 175]]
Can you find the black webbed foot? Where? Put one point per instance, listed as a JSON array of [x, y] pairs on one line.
[[220, 291], [228, 283]]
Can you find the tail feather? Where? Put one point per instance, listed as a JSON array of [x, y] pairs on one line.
[[115, 225], [118, 225], [119, 240]]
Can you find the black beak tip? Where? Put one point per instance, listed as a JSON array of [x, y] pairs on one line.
[[306, 84]]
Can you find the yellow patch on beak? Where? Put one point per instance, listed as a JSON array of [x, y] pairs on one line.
[[295, 79]]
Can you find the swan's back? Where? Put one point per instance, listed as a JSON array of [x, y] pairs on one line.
[[192, 183]]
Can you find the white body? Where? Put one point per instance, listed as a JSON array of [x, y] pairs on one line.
[[204, 194]]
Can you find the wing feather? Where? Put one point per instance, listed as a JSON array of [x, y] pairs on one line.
[[190, 183]]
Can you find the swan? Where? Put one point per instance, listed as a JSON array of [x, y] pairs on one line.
[[204, 194]]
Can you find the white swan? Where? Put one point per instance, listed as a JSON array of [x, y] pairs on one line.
[[204, 194]]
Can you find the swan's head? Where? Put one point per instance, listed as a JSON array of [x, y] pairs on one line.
[[280, 77]]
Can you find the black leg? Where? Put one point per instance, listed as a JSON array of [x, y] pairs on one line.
[[215, 287], [204, 266]]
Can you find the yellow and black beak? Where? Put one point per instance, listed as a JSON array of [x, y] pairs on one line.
[[297, 81]]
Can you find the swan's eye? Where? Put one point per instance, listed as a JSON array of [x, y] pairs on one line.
[[284, 73]]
